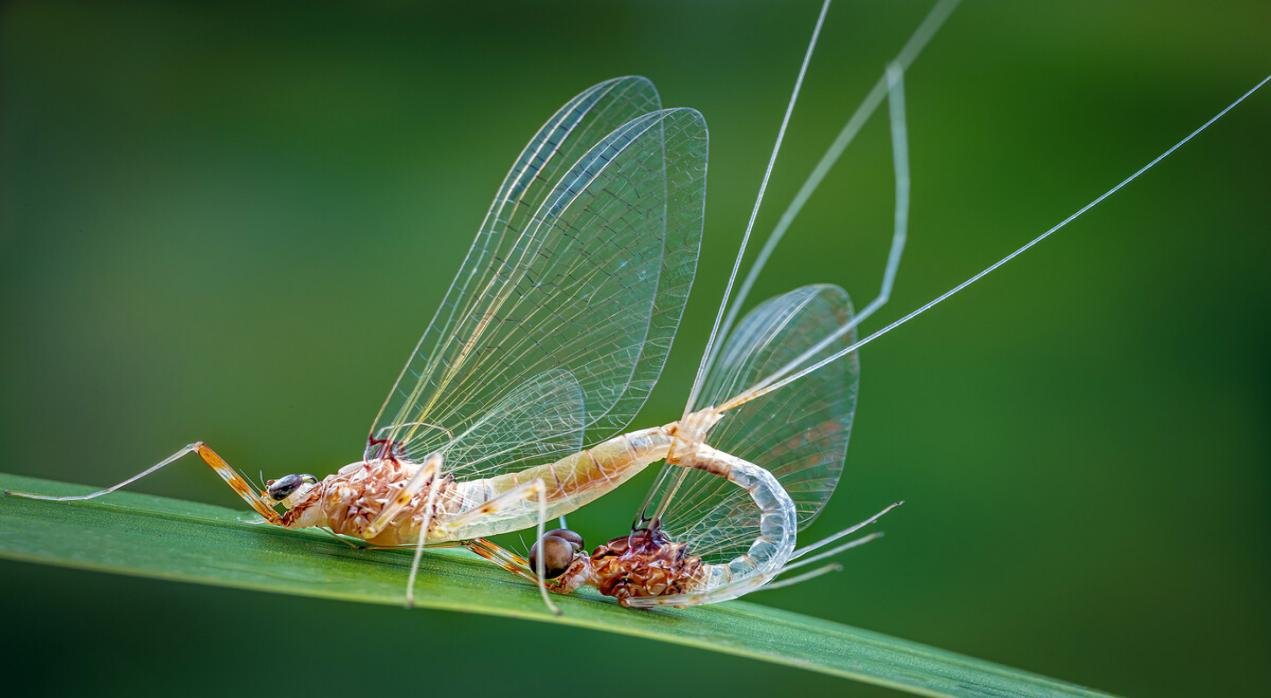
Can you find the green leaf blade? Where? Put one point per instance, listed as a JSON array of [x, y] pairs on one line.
[[147, 536]]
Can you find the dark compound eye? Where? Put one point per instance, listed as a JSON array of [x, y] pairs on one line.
[[557, 554], [568, 535], [284, 486]]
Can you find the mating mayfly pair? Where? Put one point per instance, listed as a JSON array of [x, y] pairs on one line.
[[550, 338], [553, 334]]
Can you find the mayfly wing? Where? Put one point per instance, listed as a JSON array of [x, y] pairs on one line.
[[583, 265], [549, 406], [799, 435], [573, 130]]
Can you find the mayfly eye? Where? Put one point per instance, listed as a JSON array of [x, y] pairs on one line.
[[568, 535], [557, 554], [282, 488]]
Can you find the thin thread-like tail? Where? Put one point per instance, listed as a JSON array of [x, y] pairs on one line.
[[795, 370]]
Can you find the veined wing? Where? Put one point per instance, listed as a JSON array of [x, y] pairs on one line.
[[549, 406], [800, 435], [588, 275], [572, 131]]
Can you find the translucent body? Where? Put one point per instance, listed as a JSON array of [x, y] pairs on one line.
[[348, 501], [768, 552]]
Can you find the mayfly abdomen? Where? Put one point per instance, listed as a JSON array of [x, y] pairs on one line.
[[571, 482], [778, 527]]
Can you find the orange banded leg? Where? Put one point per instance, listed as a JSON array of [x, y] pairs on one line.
[[536, 489], [214, 461], [502, 557]]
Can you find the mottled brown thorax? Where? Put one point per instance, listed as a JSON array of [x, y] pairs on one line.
[[645, 563], [352, 498]]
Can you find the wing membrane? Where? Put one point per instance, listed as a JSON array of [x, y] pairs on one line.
[[550, 406], [799, 434], [583, 264]]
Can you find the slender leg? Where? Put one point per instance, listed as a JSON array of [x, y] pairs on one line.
[[431, 467], [893, 81], [536, 488], [423, 537], [541, 488], [214, 461], [509, 561], [900, 167]]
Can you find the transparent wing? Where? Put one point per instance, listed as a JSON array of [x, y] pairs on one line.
[[582, 267], [799, 434], [550, 406]]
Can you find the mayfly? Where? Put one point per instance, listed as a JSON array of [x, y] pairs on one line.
[[699, 538], [551, 336]]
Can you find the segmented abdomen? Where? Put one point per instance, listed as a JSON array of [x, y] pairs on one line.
[[768, 553], [572, 482]]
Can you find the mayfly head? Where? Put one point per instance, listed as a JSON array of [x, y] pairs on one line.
[[290, 490]]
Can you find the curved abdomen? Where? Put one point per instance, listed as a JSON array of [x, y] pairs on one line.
[[768, 553]]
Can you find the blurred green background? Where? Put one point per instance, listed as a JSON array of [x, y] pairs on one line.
[[231, 222]]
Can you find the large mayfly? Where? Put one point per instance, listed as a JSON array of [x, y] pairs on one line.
[[547, 343], [700, 538]]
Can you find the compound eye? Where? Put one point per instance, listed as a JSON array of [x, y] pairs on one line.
[[284, 486], [568, 535], [557, 554]]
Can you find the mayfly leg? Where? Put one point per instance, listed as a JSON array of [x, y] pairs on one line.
[[890, 86], [502, 557], [426, 474], [900, 167], [231, 477], [536, 488], [423, 531], [895, 82]]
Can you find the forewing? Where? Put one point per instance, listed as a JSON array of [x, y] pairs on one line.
[[592, 282], [799, 433], [549, 405]]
